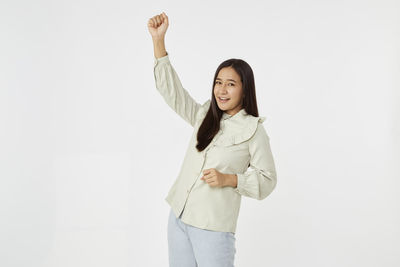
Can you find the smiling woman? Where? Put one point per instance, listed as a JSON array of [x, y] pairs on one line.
[[234, 82], [228, 90], [229, 156]]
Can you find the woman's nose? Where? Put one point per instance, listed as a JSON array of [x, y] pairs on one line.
[[222, 91]]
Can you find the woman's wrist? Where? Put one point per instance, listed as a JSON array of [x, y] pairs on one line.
[[159, 47], [231, 180]]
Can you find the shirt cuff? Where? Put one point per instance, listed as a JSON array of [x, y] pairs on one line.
[[241, 182], [161, 59]]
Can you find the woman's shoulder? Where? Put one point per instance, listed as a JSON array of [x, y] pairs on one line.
[[255, 120], [252, 125], [206, 104], [203, 109]]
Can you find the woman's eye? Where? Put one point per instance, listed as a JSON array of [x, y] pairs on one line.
[[231, 84]]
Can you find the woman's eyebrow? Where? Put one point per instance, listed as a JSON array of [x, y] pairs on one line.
[[226, 79]]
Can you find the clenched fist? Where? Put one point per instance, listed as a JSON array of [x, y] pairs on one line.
[[215, 178], [158, 25]]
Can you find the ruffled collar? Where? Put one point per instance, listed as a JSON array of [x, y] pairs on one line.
[[237, 128], [241, 126]]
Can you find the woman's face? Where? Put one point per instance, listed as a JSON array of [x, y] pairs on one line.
[[228, 85]]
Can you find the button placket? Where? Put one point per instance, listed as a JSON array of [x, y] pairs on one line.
[[218, 135], [207, 148]]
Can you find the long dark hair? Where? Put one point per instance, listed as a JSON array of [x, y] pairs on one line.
[[211, 123]]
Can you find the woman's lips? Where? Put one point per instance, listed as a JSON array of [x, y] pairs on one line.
[[223, 100]]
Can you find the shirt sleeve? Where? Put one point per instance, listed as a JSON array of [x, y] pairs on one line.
[[169, 86], [260, 179]]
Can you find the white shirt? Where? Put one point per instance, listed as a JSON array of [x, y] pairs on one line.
[[241, 147]]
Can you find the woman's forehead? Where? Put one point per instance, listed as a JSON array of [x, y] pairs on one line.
[[227, 74]]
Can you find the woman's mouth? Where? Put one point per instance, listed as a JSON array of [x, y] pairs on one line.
[[223, 99]]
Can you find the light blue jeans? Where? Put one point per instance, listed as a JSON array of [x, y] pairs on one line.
[[189, 246]]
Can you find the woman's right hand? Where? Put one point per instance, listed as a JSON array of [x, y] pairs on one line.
[[158, 25]]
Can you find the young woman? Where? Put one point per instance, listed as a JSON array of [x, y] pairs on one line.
[[228, 156]]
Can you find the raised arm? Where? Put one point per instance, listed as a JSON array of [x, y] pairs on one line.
[[167, 81]]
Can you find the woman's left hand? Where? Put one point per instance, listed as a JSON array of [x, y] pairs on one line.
[[214, 178]]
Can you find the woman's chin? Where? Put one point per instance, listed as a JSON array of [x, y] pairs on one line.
[[223, 106]]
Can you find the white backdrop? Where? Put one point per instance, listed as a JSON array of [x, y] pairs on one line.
[[89, 150]]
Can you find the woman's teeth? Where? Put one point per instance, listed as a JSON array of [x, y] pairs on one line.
[[223, 100]]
